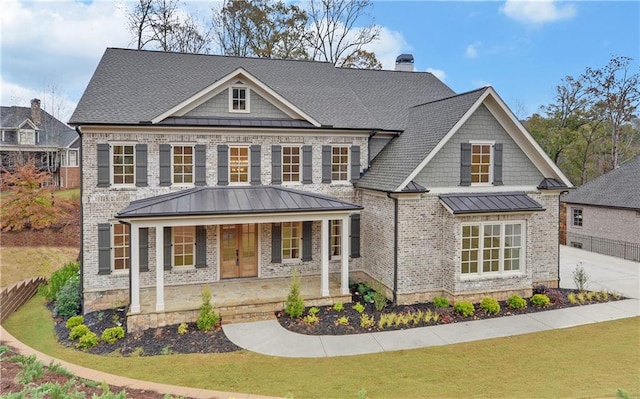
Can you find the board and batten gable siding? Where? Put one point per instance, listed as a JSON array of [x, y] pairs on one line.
[[218, 106], [444, 168]]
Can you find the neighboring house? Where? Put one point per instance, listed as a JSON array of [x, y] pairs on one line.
[[34, 133], [201, 169], [604, 214]]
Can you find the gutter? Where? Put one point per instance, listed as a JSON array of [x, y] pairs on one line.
[[395, 248], [81, 255], [559, 204]]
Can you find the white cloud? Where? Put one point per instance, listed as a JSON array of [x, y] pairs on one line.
[[438, 73], [537, 11], [472, 50], [52, 99], [390, 45]]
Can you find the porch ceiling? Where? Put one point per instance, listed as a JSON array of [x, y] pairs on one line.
[[221, 201]]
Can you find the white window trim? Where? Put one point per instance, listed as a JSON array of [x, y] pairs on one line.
[[193, 164], [491, 160], [348, 179], [111, 165], [113, 251], [247, 99], [248, 182], [173, 254], [337, 257], [501, 272], [299, 181], [291, 260], [573, 219], [69, 152]]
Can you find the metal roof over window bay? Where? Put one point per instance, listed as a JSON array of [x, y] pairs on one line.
[[471, 203]]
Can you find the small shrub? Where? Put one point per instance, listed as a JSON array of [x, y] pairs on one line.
[[314, 311], [379, 300], [417, 317], [589, 296], [78, 331], [440, 302], [430, 316], [343, 321], [112, 334], [58, 369], [605, 295], [581, 297], [58, 279], [363, 288], [367, 321], [540, 300], [402, 319], [556, 297], [208, 318], [571, 297], [615, 296], [464, 308], [294, 306], [87, 341], [358, 307], [338, 306], [311, 318], [74, 321], [67, 302], [32, 369], [580, 277], [540, 289], [597, 296], [516, 302], [386, 320], [183, 328], [166, 350], [490, 305]]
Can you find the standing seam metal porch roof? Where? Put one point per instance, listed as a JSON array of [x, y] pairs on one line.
[[468, 203], [210, 201]]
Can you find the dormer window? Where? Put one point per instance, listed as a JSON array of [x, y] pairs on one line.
[[239, 99]]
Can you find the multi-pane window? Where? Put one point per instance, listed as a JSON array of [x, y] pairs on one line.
[[73, 158], [340, 163], [291, 164], [239, 99], [492, 248], [480, 163], [291, 240], [336, 233], [120, 246], [577, 217], [239, 164], [123, 163], [182, 164], [183, 245]]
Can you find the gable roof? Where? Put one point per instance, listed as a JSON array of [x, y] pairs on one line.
[[619, 188], [52, 131], [118, 92]]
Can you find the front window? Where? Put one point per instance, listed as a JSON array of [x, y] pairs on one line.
[[120, 247], [123, 164], [182, 164], [480, 163], [239, 99], [291, 240], [291, 164], [239, 164], [183, 245], [336, 233], [577, 217], [340, 163], [73, 158], [492, 248]]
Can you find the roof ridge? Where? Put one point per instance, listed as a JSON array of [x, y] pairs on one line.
[[451, 97]]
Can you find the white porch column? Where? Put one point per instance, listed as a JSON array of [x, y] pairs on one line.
[[324, 279], [134, 233], [344, 246], [159, 269]]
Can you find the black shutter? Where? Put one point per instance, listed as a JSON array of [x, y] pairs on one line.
[[276, 164], [497, 164], [104, 248], [223, 164], [200, 165], [326, 164], [256, 179], [141, 165], [143, 244], [167, 248], [307, 164], [465, 164], [276, 243], [307, 240], [165, 164], [355, 163], [201, 246], [355, 235], [104, 179]]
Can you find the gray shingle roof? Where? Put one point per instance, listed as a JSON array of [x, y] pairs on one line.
[[619, 188], [119, 91], [236, 122], [52, 131], [427, 125], [466, 203], [234, 200]]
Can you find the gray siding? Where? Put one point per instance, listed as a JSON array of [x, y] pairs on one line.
[[444, 169], [219, 106]]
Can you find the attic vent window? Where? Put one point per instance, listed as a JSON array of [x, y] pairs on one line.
[[239, 99]]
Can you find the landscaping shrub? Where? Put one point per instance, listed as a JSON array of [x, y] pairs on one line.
[[208, 318], [464, 308], [58, 279], [338, 306], [379, 300], [74, 321], [78, 331], [183, 328], [440, 302], [295, 304], [556, 297], [111, 335], [343, 321], [311, 318], [516, 302], [540, 289], [87, 341], [367, 321], [67, 303], [540, 300], [580, 277], [358, 307], [490, 305]]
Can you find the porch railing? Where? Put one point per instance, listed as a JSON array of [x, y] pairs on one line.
[[619, 249]]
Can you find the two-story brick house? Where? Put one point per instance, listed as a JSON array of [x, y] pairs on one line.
[[201, 169]]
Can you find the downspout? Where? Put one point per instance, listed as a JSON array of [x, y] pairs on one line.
[[81, 255], [559, 204], [395, 248]]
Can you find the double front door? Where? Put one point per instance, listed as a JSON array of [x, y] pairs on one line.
[[239, 250]]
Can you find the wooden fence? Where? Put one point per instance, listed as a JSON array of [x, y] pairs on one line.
[[16, 295]]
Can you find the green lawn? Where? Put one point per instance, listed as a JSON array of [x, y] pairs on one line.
[[72, 194], [589, 361]]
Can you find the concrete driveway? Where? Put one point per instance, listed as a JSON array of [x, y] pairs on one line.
[[605, 272]]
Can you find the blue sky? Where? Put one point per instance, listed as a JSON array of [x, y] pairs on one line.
[[50, 49]]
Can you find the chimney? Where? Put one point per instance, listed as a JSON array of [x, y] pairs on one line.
[[404, 62], [35, 111]]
